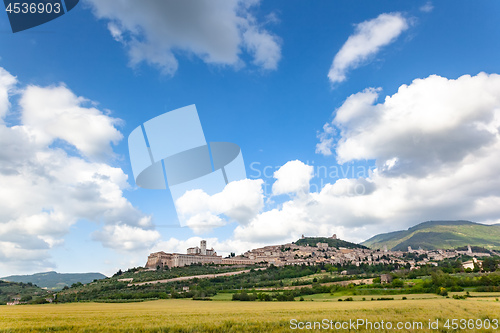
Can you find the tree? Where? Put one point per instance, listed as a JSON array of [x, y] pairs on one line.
[[397, 283], [490, 264], [26, 298], [77, 284]]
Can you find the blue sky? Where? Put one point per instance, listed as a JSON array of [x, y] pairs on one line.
[[270, 94]]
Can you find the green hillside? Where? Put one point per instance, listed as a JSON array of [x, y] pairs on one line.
[[433, 235], [54, 280], [312, 241], [24, 291]]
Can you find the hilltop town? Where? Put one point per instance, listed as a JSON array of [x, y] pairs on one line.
[[291, 271], [325, 251]]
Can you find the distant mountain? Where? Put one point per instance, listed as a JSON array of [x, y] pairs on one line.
[[332, 242], [433, 235], [54, 280]]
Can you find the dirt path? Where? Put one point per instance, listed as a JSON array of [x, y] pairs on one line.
[[184, 278]]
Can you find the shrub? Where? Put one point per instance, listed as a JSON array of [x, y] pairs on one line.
[[397, 283], [264, 297], [243, 296], [442, 291], [459, 296]]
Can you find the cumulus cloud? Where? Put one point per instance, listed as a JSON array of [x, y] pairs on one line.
[[369, 37], [264, 46], [51, 113], [7, 83], [431, 125], [293, 178], [337, 208], [216, 31], [51, 179], [302, 213], [126, 238], [325, 144], [239, 201], [435, 146]]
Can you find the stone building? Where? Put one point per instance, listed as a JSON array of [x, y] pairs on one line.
[[195, 255], [385, 278]]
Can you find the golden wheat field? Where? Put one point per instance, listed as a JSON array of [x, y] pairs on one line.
[[206, 316]]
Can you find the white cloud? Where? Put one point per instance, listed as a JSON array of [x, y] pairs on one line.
[[51, 113], [435, 144], [7, 82], [217, 31], [204, 222], [430, 125], [325, 144], [369, 37], [427, 8], [347, 187], [48, 182], [279, 224], [303, 213], [293, 178], [240, 201], [126, 238], [338, 208], [264, 46]]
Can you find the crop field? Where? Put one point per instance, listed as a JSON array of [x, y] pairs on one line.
[[224, 316]]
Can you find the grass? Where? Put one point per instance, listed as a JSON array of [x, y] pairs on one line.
[[307, 278], [222, 297], [202, 316], [335, 297]]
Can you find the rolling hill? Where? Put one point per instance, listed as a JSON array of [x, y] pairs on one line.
[[24, 291], [53, 280], [433, 235], [312, 241]]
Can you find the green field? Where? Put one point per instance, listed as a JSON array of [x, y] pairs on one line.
[[210, 316], [330, 297]]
